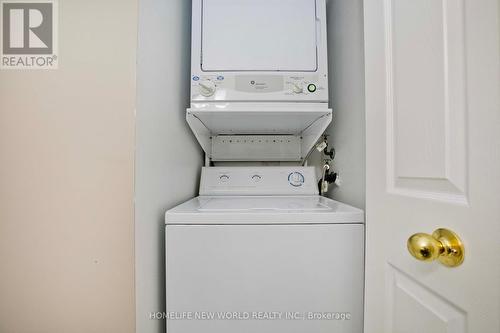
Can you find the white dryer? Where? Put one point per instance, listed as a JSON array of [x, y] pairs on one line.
[[259, 78], [260, 251], [258, 51]]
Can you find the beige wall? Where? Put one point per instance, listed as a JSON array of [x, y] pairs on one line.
[[66, 179], [168, 157]]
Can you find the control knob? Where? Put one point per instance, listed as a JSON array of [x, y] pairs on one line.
[[297, 87], [207, 88], [296, 179]]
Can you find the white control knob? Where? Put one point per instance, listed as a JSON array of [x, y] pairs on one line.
[[207, 88], [298, 88]]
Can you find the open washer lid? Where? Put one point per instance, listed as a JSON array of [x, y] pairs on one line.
[[213, 210]]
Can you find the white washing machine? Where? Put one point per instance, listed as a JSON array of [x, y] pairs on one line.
[[260, 251]]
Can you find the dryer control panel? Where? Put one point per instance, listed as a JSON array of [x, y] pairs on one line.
[[258, 181], [263, 87]]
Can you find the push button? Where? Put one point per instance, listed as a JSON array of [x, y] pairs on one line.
[[311, 87]]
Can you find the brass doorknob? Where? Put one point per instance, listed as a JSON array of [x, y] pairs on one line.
[[443, 245]]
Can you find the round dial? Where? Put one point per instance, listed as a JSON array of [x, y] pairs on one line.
[[224, 178], [296, 179], [297, 87], [207, 88], [256, 178]]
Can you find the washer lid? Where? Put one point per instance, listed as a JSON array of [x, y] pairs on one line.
[[263, 210]]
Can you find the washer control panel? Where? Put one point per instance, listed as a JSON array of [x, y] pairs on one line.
[[258, 181]]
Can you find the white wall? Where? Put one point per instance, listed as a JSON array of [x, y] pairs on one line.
[[168, 158], [66, 178], [346, 84]]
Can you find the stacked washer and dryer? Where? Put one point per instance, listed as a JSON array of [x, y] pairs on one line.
[[259, 250]]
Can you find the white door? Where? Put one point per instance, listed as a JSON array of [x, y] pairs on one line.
[[433, 161]]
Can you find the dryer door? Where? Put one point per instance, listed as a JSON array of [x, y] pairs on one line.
[[259, 35]]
